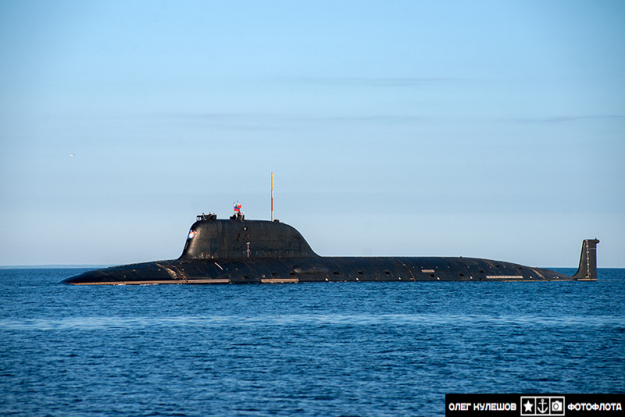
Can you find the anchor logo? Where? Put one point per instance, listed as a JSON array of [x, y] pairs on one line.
[[543, 406]]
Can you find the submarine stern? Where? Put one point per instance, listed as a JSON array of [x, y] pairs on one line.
[[587, 270]]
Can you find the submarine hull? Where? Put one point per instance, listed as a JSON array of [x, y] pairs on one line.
[[315, 270], [237, 251]]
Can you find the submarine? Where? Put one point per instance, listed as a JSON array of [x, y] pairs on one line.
[[239, 251]]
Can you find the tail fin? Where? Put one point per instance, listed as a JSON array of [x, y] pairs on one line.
[[588, 261]]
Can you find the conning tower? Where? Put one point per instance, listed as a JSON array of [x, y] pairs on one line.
[[243, 239]]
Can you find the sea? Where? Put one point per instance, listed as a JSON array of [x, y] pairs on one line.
[[319, 349]]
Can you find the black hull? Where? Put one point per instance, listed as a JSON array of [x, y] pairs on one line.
[[302, 270]]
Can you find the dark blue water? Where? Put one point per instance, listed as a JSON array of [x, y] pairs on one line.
[[331, 349]]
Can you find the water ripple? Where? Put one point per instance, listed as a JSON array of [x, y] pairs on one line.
[[91, 323]]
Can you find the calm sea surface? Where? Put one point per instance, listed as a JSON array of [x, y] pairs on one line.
[[330, 349]]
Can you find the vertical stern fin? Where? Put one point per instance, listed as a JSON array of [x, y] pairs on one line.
[[588, 261]]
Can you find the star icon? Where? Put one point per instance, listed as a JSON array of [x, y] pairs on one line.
[[528, 406]]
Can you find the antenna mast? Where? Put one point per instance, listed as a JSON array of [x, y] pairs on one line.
[[272, 196]]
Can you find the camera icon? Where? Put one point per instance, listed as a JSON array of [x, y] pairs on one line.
[[543, 406]]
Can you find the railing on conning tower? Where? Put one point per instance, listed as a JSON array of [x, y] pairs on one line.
[[209, 217]]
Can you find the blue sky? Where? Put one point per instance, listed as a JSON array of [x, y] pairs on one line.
[[451, 128]]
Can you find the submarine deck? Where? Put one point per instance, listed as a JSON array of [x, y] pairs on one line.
[[317, 269]]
